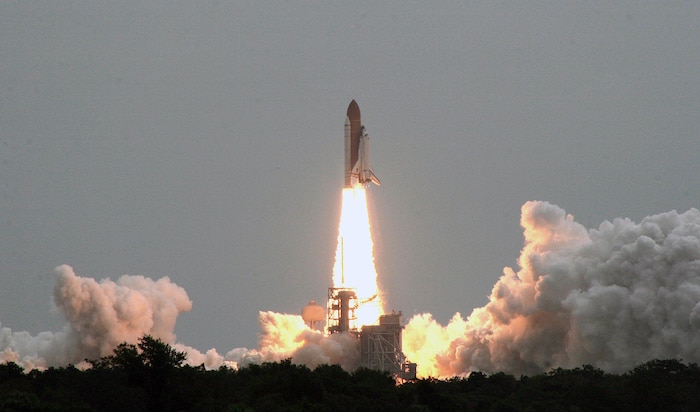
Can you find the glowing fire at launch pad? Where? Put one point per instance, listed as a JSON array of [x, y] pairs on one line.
[[354, 261]]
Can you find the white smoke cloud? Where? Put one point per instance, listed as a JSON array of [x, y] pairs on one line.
[[285, 336], [100, 316], [612, 297]]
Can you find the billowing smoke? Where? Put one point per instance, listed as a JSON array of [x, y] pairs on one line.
[[286, 336], [100, 315], [612, 297]]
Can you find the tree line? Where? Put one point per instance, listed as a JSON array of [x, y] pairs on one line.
[[151, 376]]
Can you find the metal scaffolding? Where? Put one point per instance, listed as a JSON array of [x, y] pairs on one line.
[[342, 307], [381, 347]]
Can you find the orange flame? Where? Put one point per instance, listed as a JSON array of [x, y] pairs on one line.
[[354, 260]]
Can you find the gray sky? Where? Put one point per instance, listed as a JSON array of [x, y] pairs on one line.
[[204, 141]]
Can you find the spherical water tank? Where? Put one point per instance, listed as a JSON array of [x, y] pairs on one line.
[[313, 312]]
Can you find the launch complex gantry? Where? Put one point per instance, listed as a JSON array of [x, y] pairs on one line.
[[381, 346], [342, 310]]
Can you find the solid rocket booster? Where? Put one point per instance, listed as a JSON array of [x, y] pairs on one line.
[[357, 166]]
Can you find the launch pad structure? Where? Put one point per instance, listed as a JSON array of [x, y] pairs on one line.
[[381, 346], [342, 310]]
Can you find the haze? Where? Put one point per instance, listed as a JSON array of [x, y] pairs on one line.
[[204, 142]]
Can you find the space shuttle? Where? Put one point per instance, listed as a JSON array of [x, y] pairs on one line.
[[357, 166]]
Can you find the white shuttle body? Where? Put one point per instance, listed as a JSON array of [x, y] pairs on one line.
[[357, 166]]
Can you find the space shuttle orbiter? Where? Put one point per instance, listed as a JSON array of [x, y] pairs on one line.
[[357, 166]]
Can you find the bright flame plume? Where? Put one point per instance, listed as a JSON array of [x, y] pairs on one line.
[[354, 261]]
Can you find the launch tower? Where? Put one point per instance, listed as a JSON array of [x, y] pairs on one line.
[[342, 307]]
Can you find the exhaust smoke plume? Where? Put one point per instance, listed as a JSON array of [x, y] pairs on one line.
[[612, 297], [100, 316], [103, 314], [285, 336]]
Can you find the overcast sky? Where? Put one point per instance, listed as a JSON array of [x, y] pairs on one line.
[[204, 142]]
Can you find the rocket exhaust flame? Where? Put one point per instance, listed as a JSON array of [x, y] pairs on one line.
[[354, 260]]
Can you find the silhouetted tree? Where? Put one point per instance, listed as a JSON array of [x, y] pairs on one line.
[[158, 355]]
